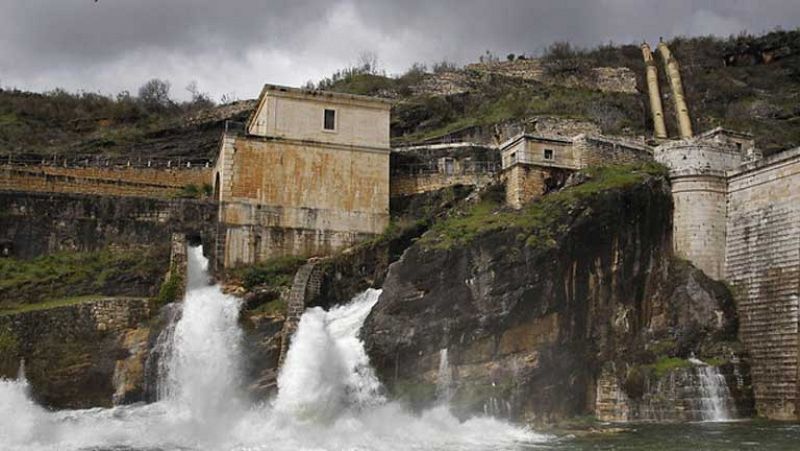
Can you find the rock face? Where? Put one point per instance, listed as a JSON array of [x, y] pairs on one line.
[[36, 224], [78, 356], [530, 329]]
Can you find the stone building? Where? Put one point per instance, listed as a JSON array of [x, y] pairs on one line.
[[308, 175], [533, 165]]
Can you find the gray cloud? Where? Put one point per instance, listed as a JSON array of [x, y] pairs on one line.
[[235, 46]]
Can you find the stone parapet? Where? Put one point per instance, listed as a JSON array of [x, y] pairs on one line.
[[417, 184], [131, 182], [76, 321]]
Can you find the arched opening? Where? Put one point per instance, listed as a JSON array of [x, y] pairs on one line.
[[217, 194]]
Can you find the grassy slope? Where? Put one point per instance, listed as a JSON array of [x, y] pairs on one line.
[[89, 124], [70, 276], [540, 222]]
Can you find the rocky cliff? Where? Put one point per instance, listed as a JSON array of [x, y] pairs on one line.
[[533, 307]]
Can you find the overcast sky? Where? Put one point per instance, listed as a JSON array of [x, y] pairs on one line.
[[234, 46]]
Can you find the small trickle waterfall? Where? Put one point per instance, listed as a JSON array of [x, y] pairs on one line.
[[328, 398], [444, 379], [157, 363], [716, 397]]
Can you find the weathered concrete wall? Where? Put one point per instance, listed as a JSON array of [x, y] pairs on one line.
[[35, 224], [524, 182], [284, 197], [531, 150], [598, 150], [298, 114], [698, 156], [247, 244], [763, 265], [110, 181]]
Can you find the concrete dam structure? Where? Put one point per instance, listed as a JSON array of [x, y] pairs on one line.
[[309, 175]]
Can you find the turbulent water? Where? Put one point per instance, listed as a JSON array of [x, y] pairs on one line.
[[328, 397]]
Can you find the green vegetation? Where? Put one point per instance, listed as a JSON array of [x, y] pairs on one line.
[[190, 191], [172, 287], [82, 125], [275, 272], [745, 82], [540, 222], [66, 275], [500, 99], [715, 361], [664, 365], [277, 306], [9, 343], [50, 304]]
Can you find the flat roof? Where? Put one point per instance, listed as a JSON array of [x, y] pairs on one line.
[[302, 93], [526, 136]]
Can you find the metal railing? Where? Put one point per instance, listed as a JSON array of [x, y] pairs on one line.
[[434, 167], [103, 162]]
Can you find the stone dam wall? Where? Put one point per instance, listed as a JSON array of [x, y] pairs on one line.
[[763, 266]]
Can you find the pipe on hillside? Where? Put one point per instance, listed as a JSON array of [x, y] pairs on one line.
[[674, 77], [656, 109]]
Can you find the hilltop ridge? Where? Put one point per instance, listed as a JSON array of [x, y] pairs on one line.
[[746, 83]]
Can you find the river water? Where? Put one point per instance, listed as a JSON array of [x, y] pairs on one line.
[[328, 399]]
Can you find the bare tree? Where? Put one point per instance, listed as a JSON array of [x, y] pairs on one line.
[[155, 94], [199, 99], [368, 63]]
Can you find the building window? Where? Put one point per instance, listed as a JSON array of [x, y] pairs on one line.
[[548, 154], [329, 122]]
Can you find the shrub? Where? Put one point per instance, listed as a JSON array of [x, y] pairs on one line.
[[172, 287]]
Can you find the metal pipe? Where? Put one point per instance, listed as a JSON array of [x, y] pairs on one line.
[[656, 109], [674, 77]]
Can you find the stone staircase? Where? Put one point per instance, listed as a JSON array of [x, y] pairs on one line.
[[306, 285]]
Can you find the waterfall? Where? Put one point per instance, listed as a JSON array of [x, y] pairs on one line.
[[156, 369], [326, 367], [444, 379], [328, 398], [21, 371], [715, 395]]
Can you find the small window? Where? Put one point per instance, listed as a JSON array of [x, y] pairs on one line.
[[448, 166], [330, 120], [548, 154], [739, 147]]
